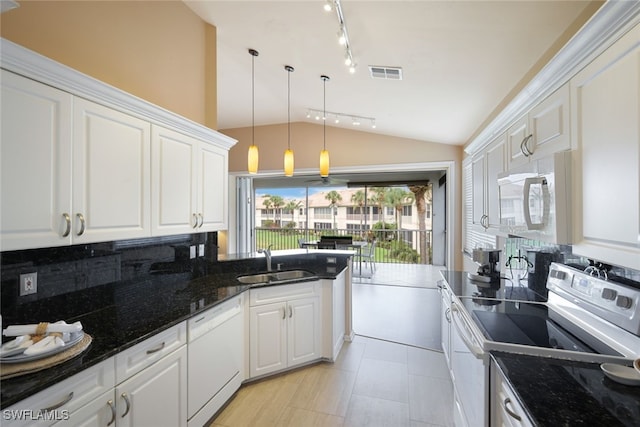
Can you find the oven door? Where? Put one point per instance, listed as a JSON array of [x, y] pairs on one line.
[[470, 371]]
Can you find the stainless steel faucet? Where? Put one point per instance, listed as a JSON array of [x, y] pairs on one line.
[[267, 254]]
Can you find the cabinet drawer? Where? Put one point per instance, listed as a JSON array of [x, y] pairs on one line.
[[271, 294], [64, 397], [138, 357]]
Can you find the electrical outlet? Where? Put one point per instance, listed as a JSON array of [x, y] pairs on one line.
[[28, 283], [201, 249], [192, 251]]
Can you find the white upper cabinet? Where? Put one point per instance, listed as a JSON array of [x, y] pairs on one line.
[[36, 164], [76, 158], [485, 169], [111, 174], [72, 171], [606, 114], [189, 184], [543, 131]]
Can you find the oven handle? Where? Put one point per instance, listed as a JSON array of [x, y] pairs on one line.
[[464, 331]]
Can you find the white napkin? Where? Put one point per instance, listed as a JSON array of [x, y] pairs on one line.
[[45, 345], [61, 326]]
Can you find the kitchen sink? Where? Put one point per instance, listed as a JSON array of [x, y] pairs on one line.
[[276, 277]]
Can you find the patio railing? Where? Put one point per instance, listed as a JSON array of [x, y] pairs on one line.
[[392, 246]]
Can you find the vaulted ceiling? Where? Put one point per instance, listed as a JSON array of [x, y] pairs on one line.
[[461, 61]]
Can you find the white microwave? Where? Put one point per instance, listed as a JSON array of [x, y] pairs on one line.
[[535, 199]]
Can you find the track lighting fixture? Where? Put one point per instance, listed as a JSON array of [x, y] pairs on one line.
[[343, 34], [337, 118]]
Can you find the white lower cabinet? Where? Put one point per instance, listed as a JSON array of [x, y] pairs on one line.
[[92, 387], [157, 396], [154, 394], [284, 327], [506, 410], [445, 323], [333, 315]]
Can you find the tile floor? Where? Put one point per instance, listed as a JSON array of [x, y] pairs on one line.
[[373, 383], [392, 374]]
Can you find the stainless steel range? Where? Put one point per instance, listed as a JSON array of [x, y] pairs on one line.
[[585, 318]]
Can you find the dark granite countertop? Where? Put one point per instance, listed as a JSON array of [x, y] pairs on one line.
[[557, 392], [462, 286], [121, 315]]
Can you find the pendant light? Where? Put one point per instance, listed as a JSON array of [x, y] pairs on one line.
[[252, 158], [324, 154], [288, 154]]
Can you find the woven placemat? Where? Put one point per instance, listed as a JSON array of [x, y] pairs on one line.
[[17, 369]]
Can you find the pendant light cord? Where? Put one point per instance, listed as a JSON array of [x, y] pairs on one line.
[[324, 110], [253, 99], [290, 69]]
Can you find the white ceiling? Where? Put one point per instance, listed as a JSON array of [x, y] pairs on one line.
[[460, 60]]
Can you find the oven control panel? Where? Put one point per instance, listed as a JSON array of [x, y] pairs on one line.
[[615, 302]]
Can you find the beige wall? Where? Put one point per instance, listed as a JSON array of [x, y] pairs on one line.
[[159, 51], [346, 147]]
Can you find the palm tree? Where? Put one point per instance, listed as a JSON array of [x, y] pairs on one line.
[[358, 199], [292, 205], [379, 199], [277, 202], [397, 198], [334, 197], [422, 195], [267, 203]]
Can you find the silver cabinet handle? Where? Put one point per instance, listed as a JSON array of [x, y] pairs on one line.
[[67, 220], [59, 404], [157, 349], [484, 221], [284, 313], [201, 220], [82, 224], [195, 221], [113, 412], [447, 315], [126, 400], [509, 411], [524, 147], [290, 312]]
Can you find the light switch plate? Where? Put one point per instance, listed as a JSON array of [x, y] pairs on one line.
[[201, 249], [192, 251]]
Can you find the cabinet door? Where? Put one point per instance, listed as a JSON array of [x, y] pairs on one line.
[[606, 96], [478, 209], [445, 324], [303, 330], [100, 412], [268, 341], [212, 191], [111, 174], [35, 164], [494, 165], [516, 134], [549, 124], [156, 396], [174, 191]]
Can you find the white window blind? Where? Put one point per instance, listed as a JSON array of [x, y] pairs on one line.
[[472, 238]]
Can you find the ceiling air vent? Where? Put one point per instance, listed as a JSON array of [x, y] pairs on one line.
[[387, 73]]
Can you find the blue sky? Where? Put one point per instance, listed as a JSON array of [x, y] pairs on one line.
[[289, 193]]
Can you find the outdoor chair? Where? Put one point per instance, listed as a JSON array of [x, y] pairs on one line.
[[368, 255]]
